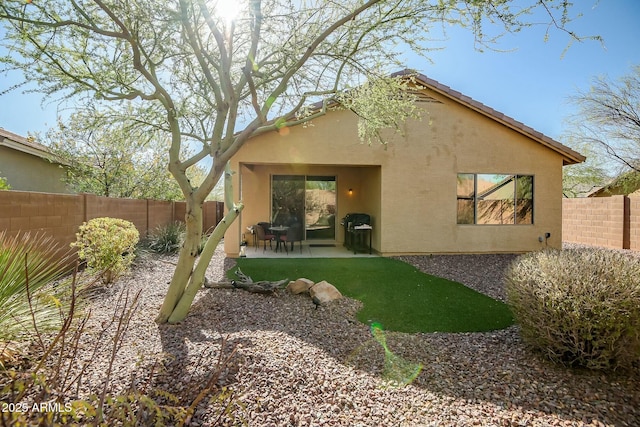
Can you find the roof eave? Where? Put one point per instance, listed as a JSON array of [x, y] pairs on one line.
[[19, 143]]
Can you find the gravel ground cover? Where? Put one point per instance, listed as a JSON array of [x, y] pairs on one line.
[[296, 365]]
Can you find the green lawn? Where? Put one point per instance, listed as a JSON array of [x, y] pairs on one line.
[[394, 293]]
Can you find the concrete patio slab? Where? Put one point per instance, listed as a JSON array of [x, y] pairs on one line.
[[308, 251]]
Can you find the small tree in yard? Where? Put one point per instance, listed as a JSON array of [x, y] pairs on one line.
[[215, 73]]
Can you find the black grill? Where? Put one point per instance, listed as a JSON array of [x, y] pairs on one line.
[[356, 219], [355, 239]]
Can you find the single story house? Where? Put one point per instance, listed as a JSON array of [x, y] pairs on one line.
[[29, 166], [464, 179]]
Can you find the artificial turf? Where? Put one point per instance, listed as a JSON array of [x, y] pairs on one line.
[[393, 293]]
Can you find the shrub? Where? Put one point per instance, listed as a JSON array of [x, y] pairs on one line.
[[4, 185], [578, 307], [167, 239], [107, 245]]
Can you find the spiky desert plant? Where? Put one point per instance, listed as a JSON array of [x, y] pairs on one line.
[[167, 239], [29, 264]]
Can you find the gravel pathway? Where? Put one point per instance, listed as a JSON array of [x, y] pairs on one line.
[[299, 366]]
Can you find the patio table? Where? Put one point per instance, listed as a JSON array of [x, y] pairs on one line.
[[278, 230]]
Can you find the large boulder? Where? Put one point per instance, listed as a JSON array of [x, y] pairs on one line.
[[299, 286], [324, 292]]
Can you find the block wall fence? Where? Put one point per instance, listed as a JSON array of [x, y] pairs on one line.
[[60, 215], [612, 222]]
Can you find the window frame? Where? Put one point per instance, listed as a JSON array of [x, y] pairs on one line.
[[511, 180]]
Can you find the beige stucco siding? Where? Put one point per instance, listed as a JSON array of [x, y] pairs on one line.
[[409, 186], [26, 172]]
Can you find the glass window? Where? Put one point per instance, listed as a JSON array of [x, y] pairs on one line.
[[287, 199], [320, 207], [524, 199], [466, 197], [495, 199]]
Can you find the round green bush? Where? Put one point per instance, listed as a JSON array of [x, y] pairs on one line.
[[579, 307], [107, 245]]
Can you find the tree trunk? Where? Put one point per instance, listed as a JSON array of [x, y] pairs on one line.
[[187, 280], [186, 260], [197, 277]]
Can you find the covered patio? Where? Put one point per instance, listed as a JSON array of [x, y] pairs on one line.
[[314, 197]]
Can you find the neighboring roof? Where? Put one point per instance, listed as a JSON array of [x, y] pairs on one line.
[[26, 145], [569, 156], [625, 184]]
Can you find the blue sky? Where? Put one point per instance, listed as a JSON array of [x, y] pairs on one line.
[[533, 80], [530, 83]]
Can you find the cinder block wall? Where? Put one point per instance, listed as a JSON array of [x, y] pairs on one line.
[[60, 215], [611, 222], [130, 209], [159, 213], [212, 213], [634, 222]]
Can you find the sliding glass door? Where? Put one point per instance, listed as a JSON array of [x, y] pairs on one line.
[[287, 199], [309, 200], [320, 205]]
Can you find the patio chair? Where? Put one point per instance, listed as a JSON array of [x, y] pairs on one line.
[[294, 234], [264, 234]]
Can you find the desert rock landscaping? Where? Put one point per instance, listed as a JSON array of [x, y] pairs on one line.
[[292, 364]]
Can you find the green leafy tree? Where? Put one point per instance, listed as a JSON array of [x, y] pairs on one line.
[[110, 154], [607, 126], [219, 72]]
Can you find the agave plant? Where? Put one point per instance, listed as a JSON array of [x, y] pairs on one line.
[[29, 264], [167, 239]]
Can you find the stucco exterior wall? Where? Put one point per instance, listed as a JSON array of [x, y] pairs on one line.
[[25, 172], [409, 186], [256, 192]]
